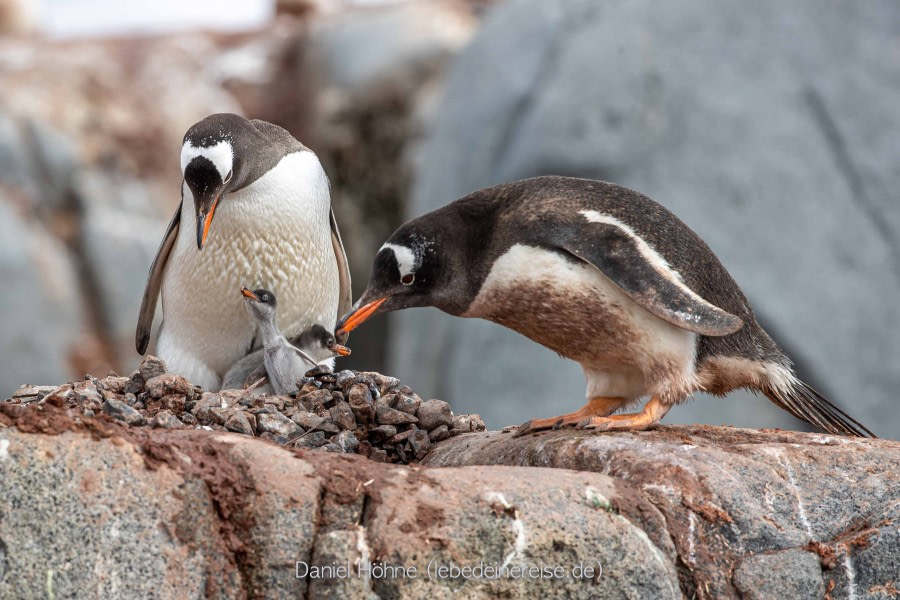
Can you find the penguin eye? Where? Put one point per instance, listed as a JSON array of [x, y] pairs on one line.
[[330, 342], [228, 177], [408, 279], [265, 298]]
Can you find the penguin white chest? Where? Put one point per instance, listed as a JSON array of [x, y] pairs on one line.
[[273, 234], [575, 310]]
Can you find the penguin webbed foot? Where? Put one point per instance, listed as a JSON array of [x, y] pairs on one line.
[[595, 407], [648, 418]]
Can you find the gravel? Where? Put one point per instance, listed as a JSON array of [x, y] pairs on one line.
[[348, 411]]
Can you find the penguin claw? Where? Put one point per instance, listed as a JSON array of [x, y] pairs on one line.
[[596, 424], [523, 429]]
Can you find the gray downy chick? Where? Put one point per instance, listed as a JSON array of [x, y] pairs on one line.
[[282, 363]]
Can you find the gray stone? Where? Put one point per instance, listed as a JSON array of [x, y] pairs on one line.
[[342, 416], [419, 443], [86, 392], [439, 433], [794, 574], [732, 496], [166, 420], [389, 416], [307, 420], [32, 393], [152, 366], [361, 403], [121, 411], [409, 403], [346, 441], [276, 423], [410, 38], [433, 414], [163, 385], [770, 131]]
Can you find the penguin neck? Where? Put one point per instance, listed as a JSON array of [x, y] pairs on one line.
[[268, 331]]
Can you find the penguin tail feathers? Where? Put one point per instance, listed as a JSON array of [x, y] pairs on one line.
[[808, 405]]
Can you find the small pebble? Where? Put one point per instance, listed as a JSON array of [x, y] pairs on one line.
[[439, 433], [385, 415], [434, 413], [166, 420], [121, 411], [238, 423], [275, 423]]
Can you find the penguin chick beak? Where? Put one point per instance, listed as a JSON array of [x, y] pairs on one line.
[[204, 219], [248, 294], [341, 350], [357, 316]]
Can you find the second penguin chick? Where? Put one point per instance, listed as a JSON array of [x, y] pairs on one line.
[[281, 361]]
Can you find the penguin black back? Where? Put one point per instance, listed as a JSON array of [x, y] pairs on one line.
[[570, 263]]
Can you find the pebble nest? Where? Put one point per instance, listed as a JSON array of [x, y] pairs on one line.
[[348, 411]]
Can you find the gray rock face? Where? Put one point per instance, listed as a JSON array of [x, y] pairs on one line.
[[677, 512], [221, 514], [40, 309], [769, 129], [751, 514]]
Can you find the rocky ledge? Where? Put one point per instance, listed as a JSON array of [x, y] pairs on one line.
[[95, 507], [348, 412]]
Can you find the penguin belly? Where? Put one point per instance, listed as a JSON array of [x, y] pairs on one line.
[[268, 236], [573, 309]]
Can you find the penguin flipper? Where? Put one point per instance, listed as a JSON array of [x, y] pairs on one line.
[[154, 282], [648, 279], [345, 299]]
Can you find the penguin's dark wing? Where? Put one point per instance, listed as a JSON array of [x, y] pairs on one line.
[[345, 299], [642, 273], [154, 281]]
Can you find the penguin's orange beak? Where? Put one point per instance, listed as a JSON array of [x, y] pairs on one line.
[[358, 316], [204, 220], [341, 350], [245, 291]]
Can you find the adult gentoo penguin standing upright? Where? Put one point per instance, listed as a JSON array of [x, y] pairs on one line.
[[604, 276], [255, 209]]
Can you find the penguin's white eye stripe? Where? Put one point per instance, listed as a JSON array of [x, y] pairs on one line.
[[406, 258], [221, 155]]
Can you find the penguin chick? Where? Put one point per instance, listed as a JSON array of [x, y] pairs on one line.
[[279, 360]]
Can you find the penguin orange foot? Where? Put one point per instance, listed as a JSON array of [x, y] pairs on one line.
[[601, 275], [653, 411], [595, 408]]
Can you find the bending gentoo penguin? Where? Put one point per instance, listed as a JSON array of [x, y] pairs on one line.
[[270, 201], [602, 275], [278, 359]]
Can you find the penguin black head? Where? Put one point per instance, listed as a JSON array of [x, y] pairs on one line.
[[321, 343], [224, 153], [424, 263]]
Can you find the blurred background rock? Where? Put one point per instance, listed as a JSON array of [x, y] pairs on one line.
[[772, 129]]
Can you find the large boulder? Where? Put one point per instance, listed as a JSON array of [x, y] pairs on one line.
[[177, 514], [90, 507], [770, 129], [751, 514]]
